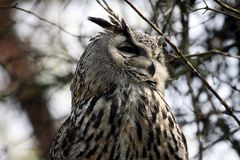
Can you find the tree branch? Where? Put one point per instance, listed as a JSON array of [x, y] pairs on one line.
[[188, 63], [227, 7], [207, 8], [210, 52], [15, 6]]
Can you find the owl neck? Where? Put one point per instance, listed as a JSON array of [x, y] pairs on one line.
[[124, 90], [135, 102]]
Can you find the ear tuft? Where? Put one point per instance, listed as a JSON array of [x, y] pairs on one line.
[[101, 22], [115, 25]]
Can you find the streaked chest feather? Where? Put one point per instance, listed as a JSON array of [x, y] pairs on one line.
[[124, 122]]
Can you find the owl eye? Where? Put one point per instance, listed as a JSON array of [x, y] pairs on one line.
[[127, 48]]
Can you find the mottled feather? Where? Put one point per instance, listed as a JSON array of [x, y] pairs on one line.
[[118, 110]]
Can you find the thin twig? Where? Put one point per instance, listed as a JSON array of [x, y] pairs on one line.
[[211, 52], [168, 18], [227, 7], [108, 9], [15, 6], [197, 112], [207, 8], [222, 138], [188, 63]]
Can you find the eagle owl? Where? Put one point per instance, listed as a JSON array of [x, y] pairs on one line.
[[118, 111]]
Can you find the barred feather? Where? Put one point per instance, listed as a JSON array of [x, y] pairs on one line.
[[124, 122]]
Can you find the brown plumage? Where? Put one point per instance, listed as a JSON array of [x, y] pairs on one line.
[[118, 110]]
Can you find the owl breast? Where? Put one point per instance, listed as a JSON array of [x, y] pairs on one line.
[[123, 122]]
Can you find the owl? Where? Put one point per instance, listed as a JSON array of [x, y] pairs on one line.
[[118, 110]]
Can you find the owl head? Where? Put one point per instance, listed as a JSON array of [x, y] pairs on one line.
[[121, 55]]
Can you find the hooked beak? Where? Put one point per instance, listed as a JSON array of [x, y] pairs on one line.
[[151, 69], [143, 64]]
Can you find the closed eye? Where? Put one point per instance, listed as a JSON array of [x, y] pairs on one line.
[[128, 49]]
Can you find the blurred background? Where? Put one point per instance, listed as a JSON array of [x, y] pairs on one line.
[[42, 40]]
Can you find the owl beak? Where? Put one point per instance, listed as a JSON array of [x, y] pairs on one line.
[[143, 65], [151, 69]]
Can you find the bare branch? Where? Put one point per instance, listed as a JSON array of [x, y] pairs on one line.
[[211, 52], [15, 6], [107, 8], [207, 8], [222, 138], [188, 63], [227, 7]]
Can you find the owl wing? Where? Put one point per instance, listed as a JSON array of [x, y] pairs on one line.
[[80, 135]]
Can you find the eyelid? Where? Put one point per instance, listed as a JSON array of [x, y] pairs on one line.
[[126, 44], [128, 48]]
